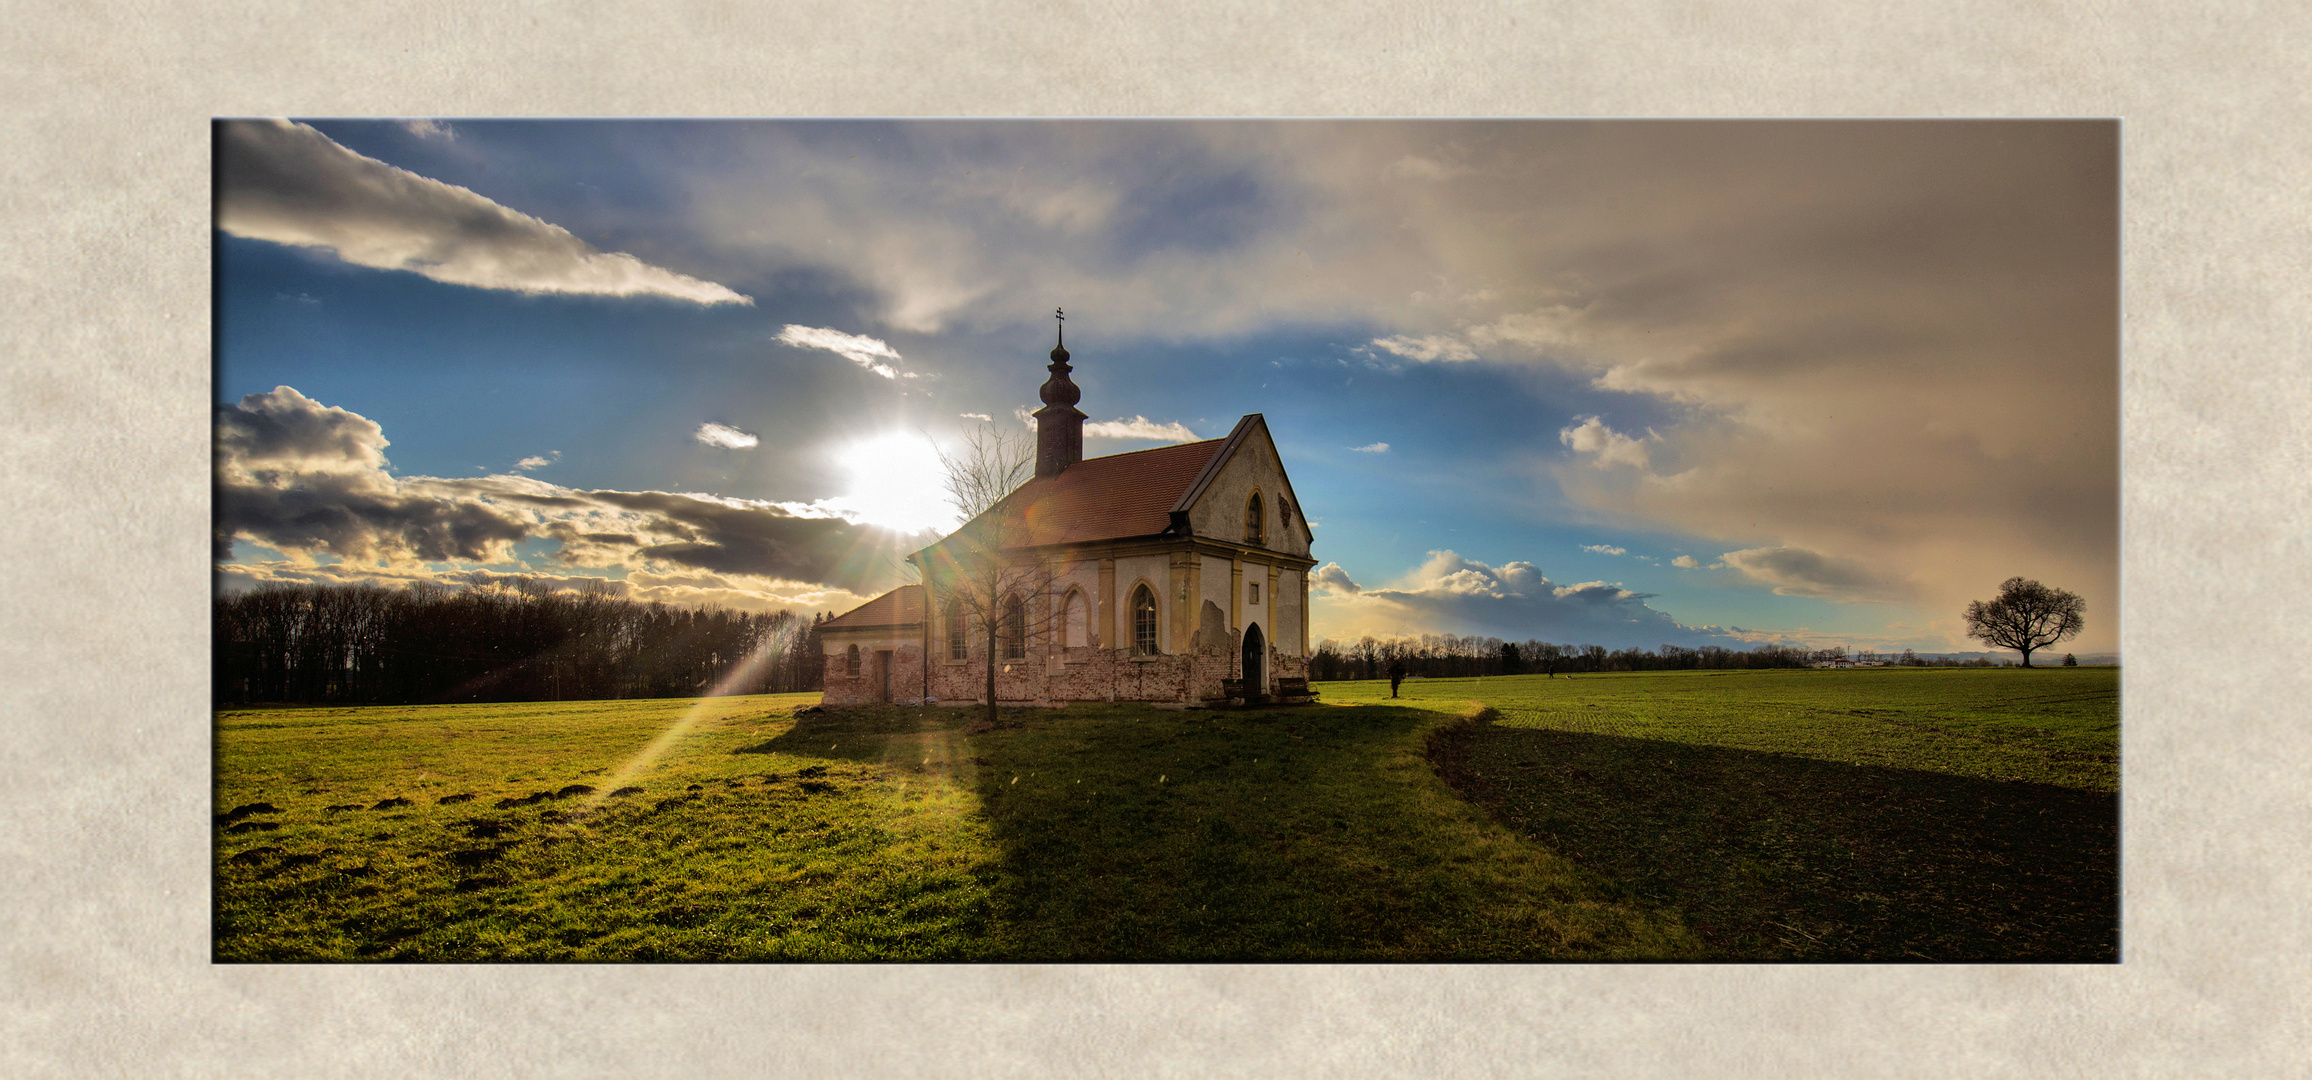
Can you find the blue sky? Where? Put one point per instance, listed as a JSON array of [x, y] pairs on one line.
[[1629, 383]]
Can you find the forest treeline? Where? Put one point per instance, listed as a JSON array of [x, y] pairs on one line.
[[496, 641], [529, 640], [1447, 656]]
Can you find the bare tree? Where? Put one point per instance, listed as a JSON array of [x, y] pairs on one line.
[[992, 463], [980, 570], [2025, 616]]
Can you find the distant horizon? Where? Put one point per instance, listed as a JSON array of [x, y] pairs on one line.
[[1621, 383]]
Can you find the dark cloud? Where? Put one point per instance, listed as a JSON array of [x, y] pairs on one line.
[[1799, 572], [294, 475], [307, 479], [288, 429], [1891, 350], [354, 517]]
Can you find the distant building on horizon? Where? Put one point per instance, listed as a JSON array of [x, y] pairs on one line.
[[1159, 574]]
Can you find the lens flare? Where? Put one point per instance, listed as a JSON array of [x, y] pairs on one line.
[[742, 674], [895, 482]]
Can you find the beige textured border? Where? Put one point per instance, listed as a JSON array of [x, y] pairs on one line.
[[103, 965]]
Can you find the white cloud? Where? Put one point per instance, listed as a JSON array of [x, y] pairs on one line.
[[979, 416], [1605, 445], [1331, 578], [739, 592], [1372, 448], [537, 462], [725, 436], [430, 129], [1431, 348], [735, 592], [1604, 549], [1139, 427], [1685, 561], [864, 351], [1451, 594], [289, 184]]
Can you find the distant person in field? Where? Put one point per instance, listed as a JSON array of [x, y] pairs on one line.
[[1396, 675]]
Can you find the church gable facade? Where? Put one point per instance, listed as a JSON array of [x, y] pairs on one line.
[[1149, 576]]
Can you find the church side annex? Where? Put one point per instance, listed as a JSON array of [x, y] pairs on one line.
[[1155, 575]]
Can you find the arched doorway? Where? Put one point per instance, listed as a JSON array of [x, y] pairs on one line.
[[1255, 657]]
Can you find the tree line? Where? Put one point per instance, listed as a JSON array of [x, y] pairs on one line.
[[1448, 656], [523, 640]]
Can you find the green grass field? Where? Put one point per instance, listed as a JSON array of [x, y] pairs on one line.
[[1873, 814], [1882, 814]]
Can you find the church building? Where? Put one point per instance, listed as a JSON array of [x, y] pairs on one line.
[[1157, 575]]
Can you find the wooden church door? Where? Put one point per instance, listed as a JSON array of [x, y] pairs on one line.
[[1255, 653]]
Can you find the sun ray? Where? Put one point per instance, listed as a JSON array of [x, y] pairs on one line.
[[741, 674]]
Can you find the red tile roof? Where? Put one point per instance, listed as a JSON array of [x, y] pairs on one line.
[[1108, 498], [902, 606]]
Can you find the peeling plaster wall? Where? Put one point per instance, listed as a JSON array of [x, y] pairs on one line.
[[1219, 512]]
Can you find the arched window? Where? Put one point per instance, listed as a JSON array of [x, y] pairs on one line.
[[1015, 629], [851, 660], [1255, 528], [1075, 628], [1143, 622], [958, 633]]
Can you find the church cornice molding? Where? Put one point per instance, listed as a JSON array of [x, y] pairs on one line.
[[1162, 545]]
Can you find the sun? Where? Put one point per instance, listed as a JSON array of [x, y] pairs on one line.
[[894, 481]]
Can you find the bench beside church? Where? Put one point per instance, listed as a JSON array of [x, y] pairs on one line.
[[1179, 574]]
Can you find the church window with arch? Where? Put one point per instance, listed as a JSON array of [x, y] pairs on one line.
[[851, 660], [1143, 622], [1255, 527], [958, 633], [1075, 621], [1015, 629]]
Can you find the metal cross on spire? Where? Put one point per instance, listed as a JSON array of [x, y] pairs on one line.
[[1062, 315]]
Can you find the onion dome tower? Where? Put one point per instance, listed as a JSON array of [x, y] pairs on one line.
[[1059, 424]]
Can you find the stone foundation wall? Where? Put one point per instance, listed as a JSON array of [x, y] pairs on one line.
[[1100, 675], [865, 688], [1085, 674]]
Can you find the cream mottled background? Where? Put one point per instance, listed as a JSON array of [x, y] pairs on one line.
[[103, 417]]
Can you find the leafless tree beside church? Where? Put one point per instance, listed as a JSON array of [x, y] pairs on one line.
[[1007, 598]]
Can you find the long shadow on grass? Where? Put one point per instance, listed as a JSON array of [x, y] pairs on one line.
[[1771, 856], [854, 734], [1283, 834]]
